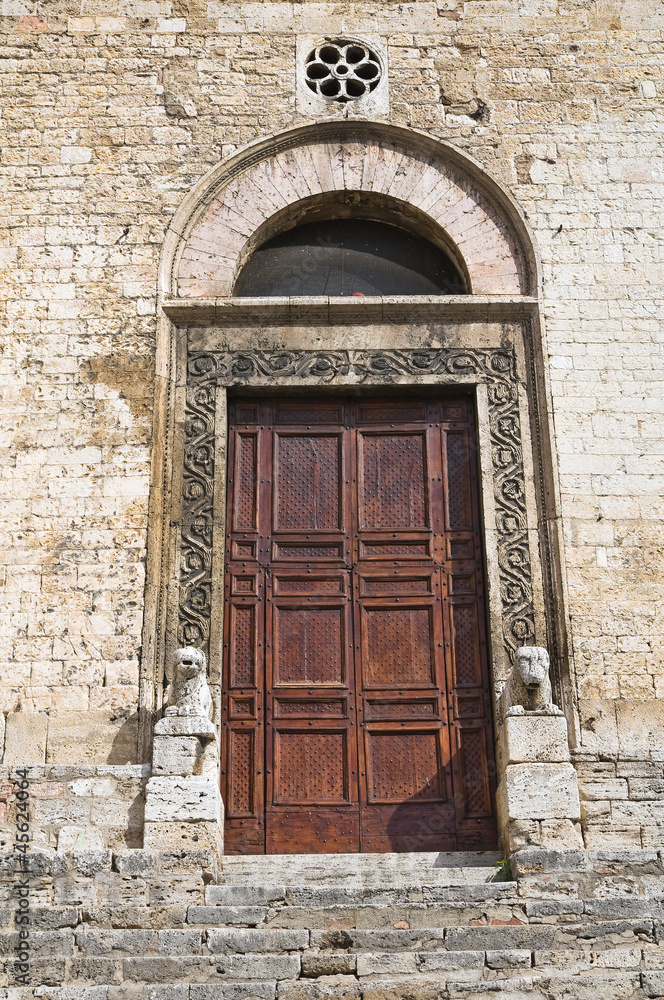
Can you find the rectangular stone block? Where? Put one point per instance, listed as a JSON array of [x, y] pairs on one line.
[[178, 755], [220, 915], [183, 799], [232, 991], [244, 940], [653, 984], [539, 791], [314, 965], [91, 737], [560, 834], [387, 963], [260, 967], [243, 895], [180, 942], [504, 938], [533, 739], [25, 739], [452, 961], [516, 958]]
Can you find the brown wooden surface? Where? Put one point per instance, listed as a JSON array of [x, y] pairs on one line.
[[356, 706]]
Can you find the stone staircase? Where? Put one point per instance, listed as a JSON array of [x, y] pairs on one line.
[[141, 925]]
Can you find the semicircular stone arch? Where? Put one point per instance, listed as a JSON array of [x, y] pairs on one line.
[[316, 163]]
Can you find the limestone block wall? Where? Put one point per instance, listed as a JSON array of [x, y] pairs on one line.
[[110, 116], [84, 807]]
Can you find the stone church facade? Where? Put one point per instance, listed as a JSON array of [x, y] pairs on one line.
[[358, 502]]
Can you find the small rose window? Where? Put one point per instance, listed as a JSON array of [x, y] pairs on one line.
[[342, 71]]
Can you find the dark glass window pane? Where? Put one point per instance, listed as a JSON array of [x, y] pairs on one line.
[[346, 256]]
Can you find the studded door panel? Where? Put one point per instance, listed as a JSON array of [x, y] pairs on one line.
[[355, 623]]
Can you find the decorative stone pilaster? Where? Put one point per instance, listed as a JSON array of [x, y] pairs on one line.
[[538, 794]]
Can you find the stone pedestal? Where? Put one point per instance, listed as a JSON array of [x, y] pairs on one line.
[[538, 796], [183, 807]]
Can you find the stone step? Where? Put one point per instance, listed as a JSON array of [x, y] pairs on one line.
[[411, 914], [370, 870], [335, 895], [515, 983], [620, 942]]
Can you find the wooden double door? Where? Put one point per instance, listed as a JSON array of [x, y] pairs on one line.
[[356, 706]]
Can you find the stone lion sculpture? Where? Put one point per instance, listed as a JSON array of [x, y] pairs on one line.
[[528, 687], [188, 692]]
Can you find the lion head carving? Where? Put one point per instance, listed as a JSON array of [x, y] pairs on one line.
[[528, 687], [188, 692]]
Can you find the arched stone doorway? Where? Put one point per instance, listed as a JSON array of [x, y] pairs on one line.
[[484, 344]]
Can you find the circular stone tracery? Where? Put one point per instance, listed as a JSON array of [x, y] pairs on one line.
[[342, 70]]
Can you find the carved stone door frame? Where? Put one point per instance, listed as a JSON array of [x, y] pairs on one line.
[[497, 375], [490, 342]]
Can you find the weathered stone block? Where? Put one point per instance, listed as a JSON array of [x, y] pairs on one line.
[[653, 984], [226, 914], [501, 938], [325, 988], [25, 739], [533, 739], [612, 834], [520, 833], [180, 942], [91, 736], [539, 791], [386, 963], [562, 834], [231, 991], [260, 967], [89, 863], [315, 965], [185, 725], [184, 800], [183, 836], [80, 838], [243, 895], [178, 755], [453, 961], [515, 958], [135, 862], [243, 940]]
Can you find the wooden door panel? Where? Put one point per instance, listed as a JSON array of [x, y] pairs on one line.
[[355, 621], [243, 742], [310, 768], [398, 647], [465, 632], [243, 630], [458, 500], [328, 550], [307, 482], [311, 752], [392, 474], [404, 766], [309, 645], [372, 549], [245, 480], [241, 798]]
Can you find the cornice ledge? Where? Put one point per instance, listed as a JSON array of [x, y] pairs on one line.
[[277, 310]]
